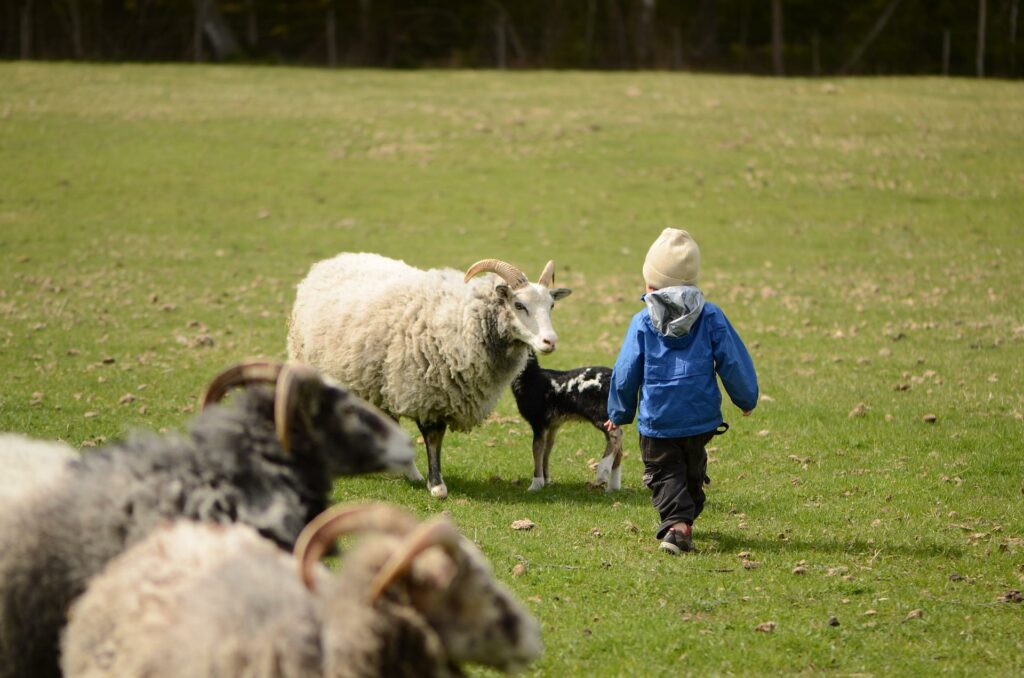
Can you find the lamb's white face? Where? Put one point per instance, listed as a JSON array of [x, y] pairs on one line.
[[531, 311]]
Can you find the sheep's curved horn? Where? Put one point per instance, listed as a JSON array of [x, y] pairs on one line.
[[239, 375], [547, 277], [437, 532], [515, 278], [287, 397], [336, 521]]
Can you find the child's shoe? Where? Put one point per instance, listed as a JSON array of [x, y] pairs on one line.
[[677, 541]]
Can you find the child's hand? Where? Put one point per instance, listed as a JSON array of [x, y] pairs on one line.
[[747, 413], [610, 426]]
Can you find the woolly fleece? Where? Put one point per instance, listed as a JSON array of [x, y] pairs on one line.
[[419, 344], [29, 465], [195, 600]]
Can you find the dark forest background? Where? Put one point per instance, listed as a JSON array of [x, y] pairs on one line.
[[781, 37]]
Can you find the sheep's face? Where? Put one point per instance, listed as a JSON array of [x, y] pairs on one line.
[[530, 308], [355, 436], [477, 618]]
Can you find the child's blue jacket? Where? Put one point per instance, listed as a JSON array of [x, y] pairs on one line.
[[674, 377]]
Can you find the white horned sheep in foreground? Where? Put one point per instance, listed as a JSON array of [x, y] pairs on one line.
[[267, 459], [28, 464], [434, 346], [207, 601], [548, 398]]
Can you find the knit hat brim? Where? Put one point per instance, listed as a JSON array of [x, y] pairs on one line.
[[672, 260], [659, 280]]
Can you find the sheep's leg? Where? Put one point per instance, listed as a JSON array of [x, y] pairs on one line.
[[538, 460], [549, 444], [433, 435]]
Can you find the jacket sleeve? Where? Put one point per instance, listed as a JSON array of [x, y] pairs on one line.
[[627, 376], [734, 365]]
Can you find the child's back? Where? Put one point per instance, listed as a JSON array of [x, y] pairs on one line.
[[672, 352]]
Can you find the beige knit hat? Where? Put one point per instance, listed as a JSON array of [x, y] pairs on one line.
[[674, 259]]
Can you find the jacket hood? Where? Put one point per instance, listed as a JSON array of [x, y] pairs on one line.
[[674, 310]]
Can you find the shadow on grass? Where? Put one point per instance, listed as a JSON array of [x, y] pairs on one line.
[[504, 492], [727, 542], [508, 494]]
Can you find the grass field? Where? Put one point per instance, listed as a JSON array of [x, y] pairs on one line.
[[866, 238]]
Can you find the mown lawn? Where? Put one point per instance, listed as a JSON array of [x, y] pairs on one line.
[[866, 237]]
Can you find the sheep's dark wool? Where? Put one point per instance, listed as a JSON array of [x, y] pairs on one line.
[[548, 398], [228, 468]]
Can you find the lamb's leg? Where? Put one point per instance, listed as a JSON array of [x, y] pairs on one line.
[[604, 467], [608, 470], [538, 460], [615, 481], [433, 435]]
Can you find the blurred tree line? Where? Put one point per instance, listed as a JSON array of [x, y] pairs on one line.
[[796, 37]]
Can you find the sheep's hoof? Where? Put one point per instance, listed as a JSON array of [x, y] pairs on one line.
[[537, 484], [439, 491]]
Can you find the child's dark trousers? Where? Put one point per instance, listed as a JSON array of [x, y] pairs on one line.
[[674, 470]]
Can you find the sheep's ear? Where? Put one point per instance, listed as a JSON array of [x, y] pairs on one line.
[[560, 293], [435, 570], [431, 575], [504, 291], [437, 532]]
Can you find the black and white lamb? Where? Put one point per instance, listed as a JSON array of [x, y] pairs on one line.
[[548, 398], [266, 459], [429, 345], [207, 601]]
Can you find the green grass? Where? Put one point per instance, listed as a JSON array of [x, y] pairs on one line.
[[866, 237]]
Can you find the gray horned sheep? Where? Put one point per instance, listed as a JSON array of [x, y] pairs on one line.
[[431, 345], [266, 459], [28, 465], [208, 601]]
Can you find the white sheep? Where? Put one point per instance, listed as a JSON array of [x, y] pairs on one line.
[[28, 464], [156, 609], [422, 344], [208, 601]]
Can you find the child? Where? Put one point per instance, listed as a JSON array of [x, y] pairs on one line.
[[669, 358]]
